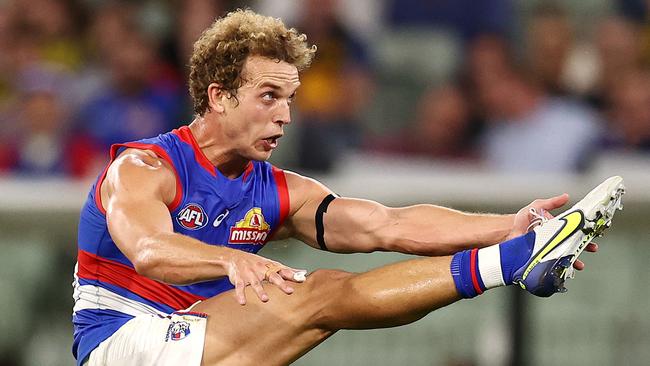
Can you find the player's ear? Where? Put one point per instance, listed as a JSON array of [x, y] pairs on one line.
[[216, 98]]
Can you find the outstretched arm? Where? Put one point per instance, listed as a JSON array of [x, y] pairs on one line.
[[137, 189], [355, 225]]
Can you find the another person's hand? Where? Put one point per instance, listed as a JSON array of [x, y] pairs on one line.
[[246, 269], [524, 218]]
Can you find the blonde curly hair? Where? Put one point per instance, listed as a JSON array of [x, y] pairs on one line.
[[219, 54]]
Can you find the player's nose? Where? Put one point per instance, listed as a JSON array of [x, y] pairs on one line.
[[283, 113]]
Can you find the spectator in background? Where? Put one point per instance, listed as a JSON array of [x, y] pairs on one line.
[[488, 57], [644, 31], [7, 94], [192, 17], [526, 127], [55, 25], [618, 44], [629, 112], [112, 22], [442, 129], [333, 92], [634, 10], [549, 43], [466, 18], [42, 123], [139, 99], [44, 145], [40, 60], [530, 131], [5, 42]]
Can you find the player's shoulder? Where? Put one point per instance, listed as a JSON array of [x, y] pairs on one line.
[[141, 166], [301, 182], [134, 158], [139, 173], [304, 189]]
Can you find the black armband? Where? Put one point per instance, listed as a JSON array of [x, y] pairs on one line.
[[320, 229]]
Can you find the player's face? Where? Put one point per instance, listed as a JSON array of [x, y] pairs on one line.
[[256, 124]]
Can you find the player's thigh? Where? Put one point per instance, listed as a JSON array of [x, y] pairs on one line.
[[274, 332]]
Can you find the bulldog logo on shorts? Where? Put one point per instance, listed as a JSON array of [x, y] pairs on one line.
[[177, 331]]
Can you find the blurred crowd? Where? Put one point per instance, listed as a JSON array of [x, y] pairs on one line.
[[509, 84]]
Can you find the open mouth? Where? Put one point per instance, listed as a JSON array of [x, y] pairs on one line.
[[271, 142]]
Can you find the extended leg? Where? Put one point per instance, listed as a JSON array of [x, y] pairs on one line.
[[283, 329]]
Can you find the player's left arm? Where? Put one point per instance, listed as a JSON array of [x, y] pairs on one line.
[[357, 225]]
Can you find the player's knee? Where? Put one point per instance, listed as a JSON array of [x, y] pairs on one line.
[[327, 275], [327, 292]]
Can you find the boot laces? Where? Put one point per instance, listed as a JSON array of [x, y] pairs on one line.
[[538, 218]]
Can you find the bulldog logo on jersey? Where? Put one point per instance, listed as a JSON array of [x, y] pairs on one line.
[[253, 229], [192, 217]]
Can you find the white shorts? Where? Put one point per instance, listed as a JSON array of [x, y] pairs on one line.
[[153, 340]]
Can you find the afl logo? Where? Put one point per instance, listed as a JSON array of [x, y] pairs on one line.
[[192, 217]]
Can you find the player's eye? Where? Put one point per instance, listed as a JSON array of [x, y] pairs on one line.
[[268, 96]]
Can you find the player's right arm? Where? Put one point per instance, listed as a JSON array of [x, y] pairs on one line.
[[137, 188]]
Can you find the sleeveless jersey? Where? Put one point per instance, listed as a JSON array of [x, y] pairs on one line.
[[239, 213]]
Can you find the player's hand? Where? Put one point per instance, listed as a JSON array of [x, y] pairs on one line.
[[246, 269], [578, 264], [523, 220]]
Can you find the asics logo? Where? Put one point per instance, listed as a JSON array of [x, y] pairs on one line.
[[220, 218], [572, 222]]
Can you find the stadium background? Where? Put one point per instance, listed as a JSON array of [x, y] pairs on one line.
[[479, 105]]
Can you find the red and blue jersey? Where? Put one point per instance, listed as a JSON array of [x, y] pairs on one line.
[[239, 213]]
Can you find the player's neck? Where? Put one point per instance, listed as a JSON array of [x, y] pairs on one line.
[[222, 156]]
